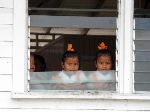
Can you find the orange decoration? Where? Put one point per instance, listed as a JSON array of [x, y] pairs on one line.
[[70, 48], [102, 46]]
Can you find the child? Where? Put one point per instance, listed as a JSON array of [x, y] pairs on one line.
[[70, 61], [37, 63], [32, 63], [103, 60], [104, 73], [70, 77]]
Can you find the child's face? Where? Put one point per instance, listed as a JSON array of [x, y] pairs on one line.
[[104, 63], [71, 64]]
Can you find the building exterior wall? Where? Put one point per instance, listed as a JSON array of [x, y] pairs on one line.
[[9, 104], [6, 40]]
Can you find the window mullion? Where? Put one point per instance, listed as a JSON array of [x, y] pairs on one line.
[[128, 41], [120, 36]]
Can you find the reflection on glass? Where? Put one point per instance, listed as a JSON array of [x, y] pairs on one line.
[[77, 80]]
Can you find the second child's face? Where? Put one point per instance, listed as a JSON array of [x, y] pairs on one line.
[[104, 63], [71, 64]]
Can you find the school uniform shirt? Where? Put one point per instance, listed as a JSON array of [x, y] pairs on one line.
[[102, 80], [71, 77]]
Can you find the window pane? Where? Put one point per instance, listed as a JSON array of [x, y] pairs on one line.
[[88, 8], [142, 86], [142, 65], [55, 24], [142, 56], [142, 45], [80, 80], [142, 34], [142, 76]]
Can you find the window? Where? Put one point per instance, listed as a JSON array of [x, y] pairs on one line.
[[142, 45], [83, 24], [129, 51]]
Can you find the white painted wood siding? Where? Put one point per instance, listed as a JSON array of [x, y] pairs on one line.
[[8, 104], [6, 32], [6, 35], [6, 23], [72, 105], [6, 3]]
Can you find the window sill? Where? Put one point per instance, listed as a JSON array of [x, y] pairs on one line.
[[94, 95]]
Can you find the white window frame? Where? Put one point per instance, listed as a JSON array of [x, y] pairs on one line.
[[125, 57], [127, 44], [20, 46]]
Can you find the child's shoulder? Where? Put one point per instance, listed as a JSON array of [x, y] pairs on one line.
[[82, 76]]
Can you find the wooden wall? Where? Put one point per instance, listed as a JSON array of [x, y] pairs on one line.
[[6, 37]]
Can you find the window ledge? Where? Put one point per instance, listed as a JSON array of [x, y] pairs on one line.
[[63, 95]]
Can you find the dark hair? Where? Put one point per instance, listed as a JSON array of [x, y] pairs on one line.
[[69, 54], [104, 53], [39, 62]]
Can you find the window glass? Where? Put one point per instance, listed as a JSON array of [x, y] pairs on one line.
[[84, 26], [79, 80], [88, 8], [142, 45]]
